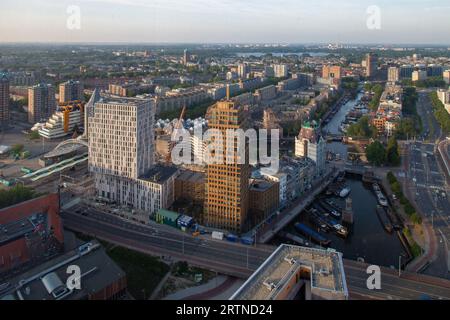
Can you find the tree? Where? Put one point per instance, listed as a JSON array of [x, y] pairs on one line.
[[15, 195], [362, 128], [376, 153], [392, 154]]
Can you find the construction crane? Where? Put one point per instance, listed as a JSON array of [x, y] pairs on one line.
[[178, 126]]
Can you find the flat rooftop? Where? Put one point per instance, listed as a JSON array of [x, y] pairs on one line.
[[260, 185], [324, 266], [191, 176], [159, 174], [97, 272]]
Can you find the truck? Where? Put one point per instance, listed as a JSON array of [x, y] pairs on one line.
[[217, 235]]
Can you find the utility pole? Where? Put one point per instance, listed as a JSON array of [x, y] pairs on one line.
[[183, 243], [247, 259]]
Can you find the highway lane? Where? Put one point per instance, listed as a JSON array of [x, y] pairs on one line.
[[237, 259]]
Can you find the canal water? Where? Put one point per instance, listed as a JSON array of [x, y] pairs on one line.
[[368, 239]]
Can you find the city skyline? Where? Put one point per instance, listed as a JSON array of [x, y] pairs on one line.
[[230, 21]]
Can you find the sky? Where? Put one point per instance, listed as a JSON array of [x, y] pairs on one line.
[[226, 21]]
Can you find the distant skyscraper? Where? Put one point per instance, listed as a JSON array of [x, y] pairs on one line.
[[71, 91], [393, 74], [186, 57], [4, 99], [243, 70], [310, 144], [280, 70], [446, 76], [41, 102], [371, 64], [227, 186]]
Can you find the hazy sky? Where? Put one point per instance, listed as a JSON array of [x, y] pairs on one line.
[[281, 21]]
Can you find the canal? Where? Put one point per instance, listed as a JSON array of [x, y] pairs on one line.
[[367, 239]]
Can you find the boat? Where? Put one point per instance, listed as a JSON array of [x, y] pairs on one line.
[[382, 216], [333, 211], [307, 231], [340, 230], [333, 205], [345, 192], [381, 198]]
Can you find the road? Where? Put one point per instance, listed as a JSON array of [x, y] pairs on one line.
[[431, 128], [426, 184], [235, 259]]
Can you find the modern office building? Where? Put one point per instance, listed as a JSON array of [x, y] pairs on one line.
[[4, 99], [310, 144], [121, 140], [393, 74], [121, 155], [64, 121], [41, 102], [71, 91], [297, 273], [227, 188]]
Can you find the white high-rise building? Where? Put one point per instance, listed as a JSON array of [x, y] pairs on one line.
[[243, 70], [310, 144], [280, 70], [446, 76], [121, 155], [393, 74]]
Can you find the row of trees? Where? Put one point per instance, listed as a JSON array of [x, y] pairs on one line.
[[377, 89], [432, 82], [398, 191], [442, 116], [411, 124], [377, 154]]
